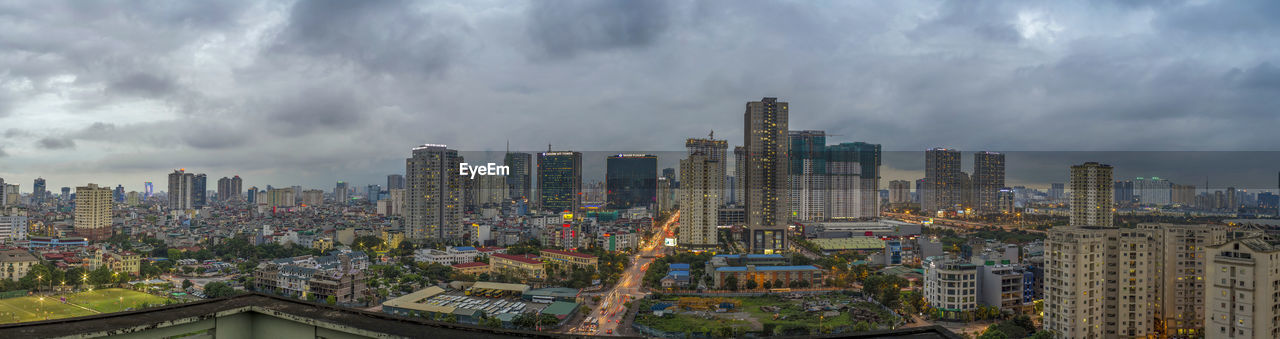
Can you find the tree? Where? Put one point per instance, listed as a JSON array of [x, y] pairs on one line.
[[862, 326], [731, 283], [993, 334], [186, 284], [751, 284], [219, 289], [1044, 334], [332, 300]]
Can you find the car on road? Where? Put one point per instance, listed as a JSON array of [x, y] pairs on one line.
[[609, 331]]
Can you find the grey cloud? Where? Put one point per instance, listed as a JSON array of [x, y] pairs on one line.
[[14, 133], [144, 84], [2, 152], [316, 109], [52, 143], [388, 37], [563, 29]]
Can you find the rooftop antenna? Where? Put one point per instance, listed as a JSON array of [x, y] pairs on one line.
[[508, 145], [712, 136], [548, 147]]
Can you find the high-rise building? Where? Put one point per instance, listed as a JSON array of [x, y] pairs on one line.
[[1057, 191], [39, 192], [666, 195], [808, 180], [341, 194], [117, 195], [313, 197], [66, 193], [180, 190], [93, 212], [371, 193], [1104, 282], [941, 180], [766, 173], [1125, 195], [701, 196], [237, 187], [224, 189], [199, 190], [395, 181], [148, 189], [853, 181], [560, 181], [1152, 191], [988, 179], [1091, 194], [1240, 289], [1184, 195], [739, 175], [281, 197], [631, 180], [899, 192], [1005, 200], [520, 179], [433, 197], [251, 196]]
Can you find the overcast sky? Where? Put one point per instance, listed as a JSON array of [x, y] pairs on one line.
[[313, 92]]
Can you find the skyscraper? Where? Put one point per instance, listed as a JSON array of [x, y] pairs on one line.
[[899, 192], [1124, 193], [1091, 194], [199, 191], [433, 202], [180, 187], [560, 181], [237, 186], [395, 181], [148, 189], [808, 179], [702, 193], [341, 194], [766, 173], [739, 175], [941, 180], [93, 212], [224, 189], [117, 195], [853, 180], [520, 180], [988, 179], [1152, 191], [39, 192], [631, 180]]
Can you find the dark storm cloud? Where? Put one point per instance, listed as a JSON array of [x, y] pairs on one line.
[[387, 37], [310, 92], [51, 143], [564, 28]]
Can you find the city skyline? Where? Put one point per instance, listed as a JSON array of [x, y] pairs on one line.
[[283, 98]]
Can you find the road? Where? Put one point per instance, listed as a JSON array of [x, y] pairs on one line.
[[953, 223], [612, 308]]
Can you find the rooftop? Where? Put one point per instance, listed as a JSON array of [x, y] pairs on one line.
[[572, 254], [267, 317], [519, 258], [470, 264]]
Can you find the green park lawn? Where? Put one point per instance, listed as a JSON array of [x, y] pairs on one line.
[[32, 308]]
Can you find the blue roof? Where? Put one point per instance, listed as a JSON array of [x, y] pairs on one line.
[[660, 306], [679, 266], [464, 248], [679, 273]]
